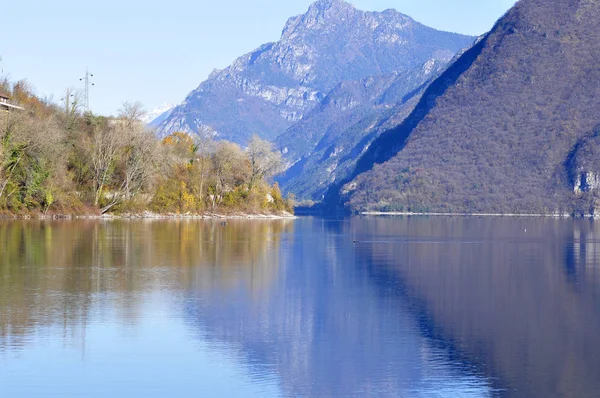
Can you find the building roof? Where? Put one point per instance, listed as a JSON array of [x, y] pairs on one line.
[[9, 106], [5, 104]]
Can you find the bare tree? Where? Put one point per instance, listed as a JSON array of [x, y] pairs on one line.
[[264, 161], [128, 145], [205, 147], [71, 104], [229, 166], [141, 157], [132, 113], [105, 146]]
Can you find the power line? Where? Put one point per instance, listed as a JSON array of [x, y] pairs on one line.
[[87, 82]]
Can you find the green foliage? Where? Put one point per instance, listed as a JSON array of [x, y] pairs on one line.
[[279, 203], [236, 198], [166, 197], [61, 161]]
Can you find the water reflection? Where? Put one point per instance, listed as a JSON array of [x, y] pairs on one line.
[[516, 297], [415, 307], [53, 273], [583, 256], [328, 331]]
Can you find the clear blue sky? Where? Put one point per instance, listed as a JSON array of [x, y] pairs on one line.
[[157, 51]]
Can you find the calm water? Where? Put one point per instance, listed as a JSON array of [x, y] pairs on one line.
[[417, 307]]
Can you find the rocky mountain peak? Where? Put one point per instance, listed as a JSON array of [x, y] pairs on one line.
[[320, 15], [274, 86], [322, 6]]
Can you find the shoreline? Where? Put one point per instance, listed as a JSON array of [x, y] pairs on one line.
[[147, 215], [532, 215]]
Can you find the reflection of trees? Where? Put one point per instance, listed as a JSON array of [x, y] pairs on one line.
[[325, 330], [502, 291], [53, 273], [514, 298]]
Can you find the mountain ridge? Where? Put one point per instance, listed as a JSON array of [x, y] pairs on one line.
[[269, 89], [336, 134], [497, 136]]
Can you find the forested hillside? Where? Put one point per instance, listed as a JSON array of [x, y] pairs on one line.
[[325, 145], [510, 127], [57, 160]]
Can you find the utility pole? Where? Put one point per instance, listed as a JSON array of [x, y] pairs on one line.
[[87, 82]]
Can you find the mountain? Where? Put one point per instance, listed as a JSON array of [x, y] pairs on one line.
[[511, 127], [268, 90], [158, 114], [326, 143]]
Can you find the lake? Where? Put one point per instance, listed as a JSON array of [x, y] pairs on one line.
[[361, 307]]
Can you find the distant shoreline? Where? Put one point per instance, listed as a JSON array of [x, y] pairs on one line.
[[533, 215]]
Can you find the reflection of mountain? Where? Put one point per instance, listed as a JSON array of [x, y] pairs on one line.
[[326, 329], [417, 307], [516, 297], [54, 273]]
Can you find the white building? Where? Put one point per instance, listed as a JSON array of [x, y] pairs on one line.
[[5, 104]]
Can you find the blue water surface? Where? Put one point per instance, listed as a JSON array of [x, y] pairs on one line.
[[361, 307]]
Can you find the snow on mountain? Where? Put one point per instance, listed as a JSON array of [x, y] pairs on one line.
[[158, 114]]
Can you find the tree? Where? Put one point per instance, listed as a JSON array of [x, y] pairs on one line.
[[71, 106], [230, 167], [53, 155], [132, 113], [141, 161], [104, 146], [29, 153], [264, 161], [182, 146], [131, 158]]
